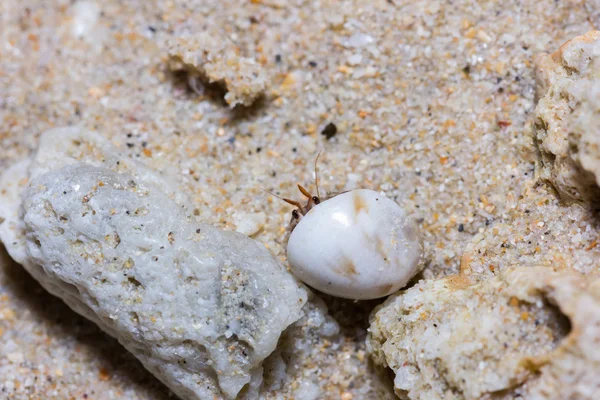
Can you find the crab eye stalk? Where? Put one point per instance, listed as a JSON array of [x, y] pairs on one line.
[[295, 214], [316, 200]]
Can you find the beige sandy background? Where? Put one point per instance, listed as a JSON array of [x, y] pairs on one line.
[[432, 103]]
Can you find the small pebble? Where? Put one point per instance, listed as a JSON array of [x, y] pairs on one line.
[[329, 131], [249, 223]]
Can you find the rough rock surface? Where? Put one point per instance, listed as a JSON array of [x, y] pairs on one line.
[[297, 369], [203, 56], [529, 333], [424, 96], [201, 308], [567, 118]]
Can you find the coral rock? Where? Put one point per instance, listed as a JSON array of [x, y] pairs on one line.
[[529, 332], [201, 308], [567, 118]]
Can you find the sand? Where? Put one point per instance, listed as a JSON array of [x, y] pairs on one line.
[[432, 104]]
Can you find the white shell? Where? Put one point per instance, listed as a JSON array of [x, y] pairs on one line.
[[358, 245]]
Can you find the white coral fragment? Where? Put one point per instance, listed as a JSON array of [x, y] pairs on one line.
[[204, 57], [530, 332], [201, 308], [567, 124]]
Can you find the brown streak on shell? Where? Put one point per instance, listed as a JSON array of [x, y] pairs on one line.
[[360, 204], [385, 288], [380, 248], [347, 268], [411, 233]]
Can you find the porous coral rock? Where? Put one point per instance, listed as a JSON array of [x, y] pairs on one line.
[[206, 57], [567, 118], [530, 332], [200, 307]]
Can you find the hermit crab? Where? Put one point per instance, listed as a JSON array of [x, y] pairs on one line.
[[357, 244]]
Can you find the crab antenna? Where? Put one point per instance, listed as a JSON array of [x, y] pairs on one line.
[[317, 174], [295, 203], [292, 202], [304, 191], [273, 194]]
